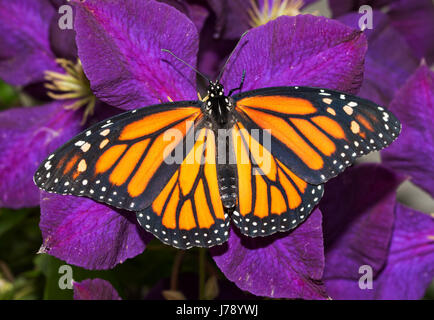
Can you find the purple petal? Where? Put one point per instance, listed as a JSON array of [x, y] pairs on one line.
[[197, 13], [213, 52], [389, 60], [410, 266], [25, 51], [301, 50], [120, 46], [414, 19], [89, 234], [413, 153], [232, 16], [286, 265], [95, 289], [358, 209], [220, 10], [28, 136]]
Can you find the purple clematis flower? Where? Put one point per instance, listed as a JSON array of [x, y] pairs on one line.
[[34, 50], [396, 244], [413, 19], [126, 68], [198, 12], [234, 17], [340, 7], [26, 55], [231, 18], [95, 289], [119, 44], [414, 105], [286, 265], [389, 60], [21, 129], [371, 231]]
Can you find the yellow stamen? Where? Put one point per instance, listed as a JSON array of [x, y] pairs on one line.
[[71, 85], [260, 16]]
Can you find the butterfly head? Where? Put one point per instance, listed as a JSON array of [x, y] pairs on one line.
[[217, 105], [215, 89]]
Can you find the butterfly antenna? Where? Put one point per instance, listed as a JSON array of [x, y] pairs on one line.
[[230, 56], [187, 64]]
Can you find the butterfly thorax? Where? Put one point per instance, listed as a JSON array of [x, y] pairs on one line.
[[218, 108], [217, 105]]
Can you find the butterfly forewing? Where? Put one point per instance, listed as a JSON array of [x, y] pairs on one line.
[[316, 133], [121, 161]]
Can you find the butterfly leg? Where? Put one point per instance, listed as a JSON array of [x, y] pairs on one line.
[[241, 84]]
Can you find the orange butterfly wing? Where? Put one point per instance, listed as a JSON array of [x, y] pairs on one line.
[[271, 197], [317, 133], [188, 211], [123, 161]]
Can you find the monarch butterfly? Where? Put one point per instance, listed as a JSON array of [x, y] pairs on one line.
[[264, 184]]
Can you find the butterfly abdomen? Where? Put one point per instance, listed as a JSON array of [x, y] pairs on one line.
[[228, 186], [226, 169]]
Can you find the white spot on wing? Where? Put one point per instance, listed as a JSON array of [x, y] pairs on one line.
[[79, 143]]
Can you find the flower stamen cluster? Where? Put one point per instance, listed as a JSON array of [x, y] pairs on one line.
[[73, 84], [260, 16]]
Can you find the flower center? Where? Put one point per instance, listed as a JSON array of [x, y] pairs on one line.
[[71, 85], [260, 16]]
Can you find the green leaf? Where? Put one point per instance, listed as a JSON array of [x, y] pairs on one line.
[[8, 96]]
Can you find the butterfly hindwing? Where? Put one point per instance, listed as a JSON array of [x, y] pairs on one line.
[[121, 161], [271, 197], [317, 133], [188, 211]]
